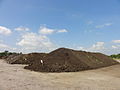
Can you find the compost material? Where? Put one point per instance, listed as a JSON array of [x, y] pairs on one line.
[[24, 58], [68, 60]]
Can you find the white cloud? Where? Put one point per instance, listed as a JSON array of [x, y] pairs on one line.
[[35, 42], [45, 30], [30, 42], [90, 22], [110, 49], [104, 25], [81, 48], [108, 24], [62, 31], [5, 31], [22, 28], [98, 46], [114, 47], [99, 26], [116, 41], [4, 47]]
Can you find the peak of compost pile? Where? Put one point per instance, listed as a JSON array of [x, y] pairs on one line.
[[68, 60], [25, 58]]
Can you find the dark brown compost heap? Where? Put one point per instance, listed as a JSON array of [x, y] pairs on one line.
[[24, 58], [68, 60]]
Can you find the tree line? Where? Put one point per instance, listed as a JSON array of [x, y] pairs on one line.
[[7, 53], [116, 56]]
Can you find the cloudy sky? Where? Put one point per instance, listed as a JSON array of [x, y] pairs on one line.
[[44, 25]]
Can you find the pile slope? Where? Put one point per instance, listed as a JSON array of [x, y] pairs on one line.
[[24, 58], [68, 60]]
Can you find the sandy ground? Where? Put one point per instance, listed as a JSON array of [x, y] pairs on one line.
[[117, 60], [14, 77]]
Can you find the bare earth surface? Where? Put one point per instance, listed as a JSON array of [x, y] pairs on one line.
[[14, 77]]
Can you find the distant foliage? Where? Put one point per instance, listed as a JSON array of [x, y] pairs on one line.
[[116, 56], [7, 53]]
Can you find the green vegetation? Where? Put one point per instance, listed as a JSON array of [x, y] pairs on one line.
[[115, 56], [7, 53]]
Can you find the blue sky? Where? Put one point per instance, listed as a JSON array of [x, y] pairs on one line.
[[43, 25]]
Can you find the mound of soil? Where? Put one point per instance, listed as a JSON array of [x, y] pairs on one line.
[[68, 60], [24, 58]]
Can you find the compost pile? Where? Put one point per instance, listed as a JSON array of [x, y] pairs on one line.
[[68, 60], [24, 58]]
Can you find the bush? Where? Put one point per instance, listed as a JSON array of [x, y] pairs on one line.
[[7, 53], [116, 56]]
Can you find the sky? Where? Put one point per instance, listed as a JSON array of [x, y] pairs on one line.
[[45, 25]]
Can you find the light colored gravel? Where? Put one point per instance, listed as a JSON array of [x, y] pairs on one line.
[[14, 77], [118, 60]]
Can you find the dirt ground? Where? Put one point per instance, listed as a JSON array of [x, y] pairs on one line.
[[14, 77], [118, 60]]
